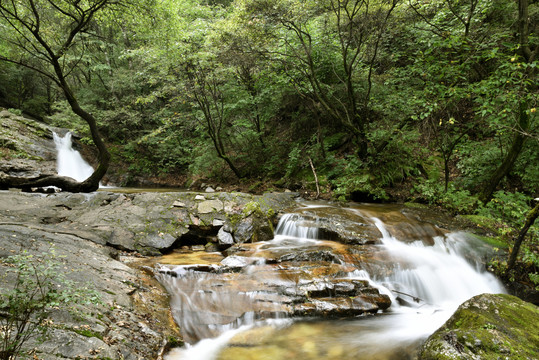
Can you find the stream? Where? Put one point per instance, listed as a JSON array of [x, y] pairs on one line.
[[307, 294], [358, 282]]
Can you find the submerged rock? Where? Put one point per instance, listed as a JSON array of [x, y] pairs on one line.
[[487, 327]]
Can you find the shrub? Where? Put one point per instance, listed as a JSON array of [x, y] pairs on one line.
[[32, 288]]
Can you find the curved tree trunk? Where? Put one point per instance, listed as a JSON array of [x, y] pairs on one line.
[[507, 165], [530, 219], [29, 26]]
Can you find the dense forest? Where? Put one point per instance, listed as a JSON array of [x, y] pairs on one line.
[[370, 100]]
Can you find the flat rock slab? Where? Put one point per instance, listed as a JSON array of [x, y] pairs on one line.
[[144, 222]]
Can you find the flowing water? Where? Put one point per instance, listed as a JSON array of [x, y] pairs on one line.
[[69, 161], [238, 314]]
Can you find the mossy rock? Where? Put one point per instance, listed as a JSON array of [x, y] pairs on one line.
[[487, 327]]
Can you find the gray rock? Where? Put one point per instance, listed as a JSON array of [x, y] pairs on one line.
[[159, 240], [87, 264], [200, 197], [178, 203], [224, 237], [217, 222], [244, 231], [210, 206], [209, 189]]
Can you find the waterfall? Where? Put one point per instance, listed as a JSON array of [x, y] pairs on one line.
[[426, 284], [297, 226], [69, 161], [439, 274]]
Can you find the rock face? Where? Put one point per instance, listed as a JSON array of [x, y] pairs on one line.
[[27, 149], [487, 327], [132, 320]]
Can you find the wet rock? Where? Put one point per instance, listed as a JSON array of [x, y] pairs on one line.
[[239, 262], [487, 327], [336, 224], [310, 255]]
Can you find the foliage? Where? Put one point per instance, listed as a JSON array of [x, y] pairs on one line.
[[454, 200], [36, 288], [257, 87], [510, 210]]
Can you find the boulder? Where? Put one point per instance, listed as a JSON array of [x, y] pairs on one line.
[[224, 237], [28, 150], [487, 327]]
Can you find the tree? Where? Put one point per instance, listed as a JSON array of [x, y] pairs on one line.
[[526, 72], [329, 51], [205, 88], [530, 219], [49, 37]]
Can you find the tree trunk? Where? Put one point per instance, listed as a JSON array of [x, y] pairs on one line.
[[511, 157], [530, 219]]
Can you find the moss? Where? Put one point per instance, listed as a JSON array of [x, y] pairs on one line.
[[483, 222], [488, 326], [496, 242], [88, 333], [173, 342]]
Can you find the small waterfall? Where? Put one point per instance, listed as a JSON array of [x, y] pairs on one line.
[[69, 161], [439, 274], [297, 226], [426, 284]]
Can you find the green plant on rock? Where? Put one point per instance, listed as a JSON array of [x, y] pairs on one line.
[[33, 288]]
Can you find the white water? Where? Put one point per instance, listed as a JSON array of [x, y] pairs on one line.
[[438, 274], [437, 277], [430, 282], [69, 161]]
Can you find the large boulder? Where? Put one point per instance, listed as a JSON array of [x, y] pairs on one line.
[[487, 327], [131, 319], [27, 149]]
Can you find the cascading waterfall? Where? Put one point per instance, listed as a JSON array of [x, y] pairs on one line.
[[426, 285], [69, 161], [431, 281], [296, 226], [437, 274]]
